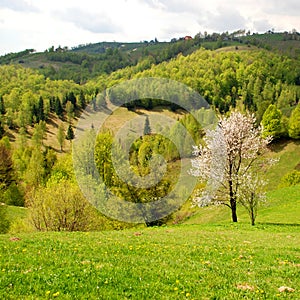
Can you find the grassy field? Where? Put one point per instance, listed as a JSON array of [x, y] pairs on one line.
[[288, 153], [206, 257], [179, 262], [282, 207]]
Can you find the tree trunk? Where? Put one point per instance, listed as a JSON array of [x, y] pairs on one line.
[[233, 211], [232, 202], [252, 218]]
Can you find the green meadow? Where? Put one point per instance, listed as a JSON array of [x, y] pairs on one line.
[[199, 254], [171, 262]]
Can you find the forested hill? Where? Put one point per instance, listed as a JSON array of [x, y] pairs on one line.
[[84, 62], [39, 110], [227, 78], [230, 77], [238, 76]]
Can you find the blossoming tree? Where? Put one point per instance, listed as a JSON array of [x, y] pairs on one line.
[[230, 163]]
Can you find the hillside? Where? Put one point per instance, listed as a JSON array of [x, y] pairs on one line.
[[84, 62], [38, 114], [227, 78], [284, 43], [96, 187], [282, 205]]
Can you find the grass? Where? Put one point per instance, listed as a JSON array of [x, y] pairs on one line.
[[180, 262], [282, 207], [288, 153], [16, 212], [204, 258]]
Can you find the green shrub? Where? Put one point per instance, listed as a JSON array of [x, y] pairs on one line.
[[59, 207], [13, 196], [290, 179]]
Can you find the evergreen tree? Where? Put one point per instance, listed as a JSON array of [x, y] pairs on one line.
[[1, 129], [147, 128], [81, 100], [58, 107], [71, 97], [70, 133], [52, 104], [2, 107], [40, 110]]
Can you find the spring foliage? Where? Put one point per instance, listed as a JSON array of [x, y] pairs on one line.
[[231, 154]]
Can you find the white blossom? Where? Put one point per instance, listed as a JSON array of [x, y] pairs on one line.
[[230, 153]]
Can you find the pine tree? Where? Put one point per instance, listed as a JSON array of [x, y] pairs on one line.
[[1, 129], [40, 110], [81, 100], [147, 128], [52, 104], [70, 133], [72, 98], [2, 107], [58, 107]]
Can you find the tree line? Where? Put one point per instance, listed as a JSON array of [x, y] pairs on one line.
[[245, 80]]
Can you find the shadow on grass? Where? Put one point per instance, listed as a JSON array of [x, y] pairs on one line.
[[279, 224], [278, 145]]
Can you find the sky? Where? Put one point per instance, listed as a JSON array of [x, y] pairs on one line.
[[40, 24]]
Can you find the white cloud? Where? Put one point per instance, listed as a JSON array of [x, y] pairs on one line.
[[262, 25], [17, 5], [280, 7], [93, 22], [226, 19]]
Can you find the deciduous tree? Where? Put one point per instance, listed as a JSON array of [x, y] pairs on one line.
[[59, 207], [70, 111], [271, 122], [61, 136], [6, 166], [294, 123], [251, 194], [233, 150], [39, 133]]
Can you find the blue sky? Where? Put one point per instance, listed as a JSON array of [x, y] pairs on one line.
[[40, 24]]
